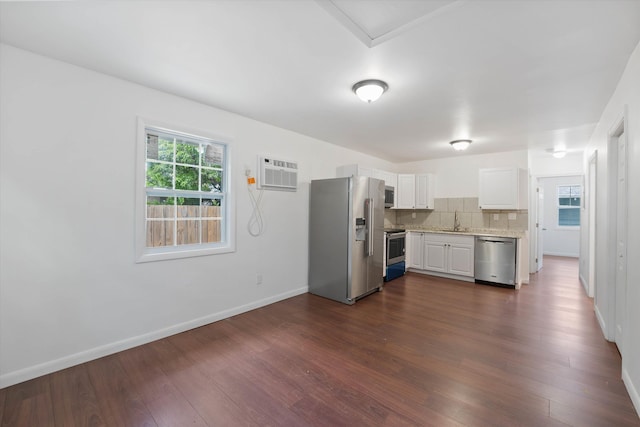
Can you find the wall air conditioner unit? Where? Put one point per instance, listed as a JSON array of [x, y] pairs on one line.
[[277, 174]]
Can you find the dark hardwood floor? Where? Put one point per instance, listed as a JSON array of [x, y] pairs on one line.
[[425, 351]]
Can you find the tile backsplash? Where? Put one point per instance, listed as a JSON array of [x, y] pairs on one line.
[[469, 215]]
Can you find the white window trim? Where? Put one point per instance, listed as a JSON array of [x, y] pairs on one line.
[[145, 254], [559, 206]]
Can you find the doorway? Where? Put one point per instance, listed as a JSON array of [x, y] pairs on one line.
[[591, 202], [539, 227], [617, 150], [560, 211]]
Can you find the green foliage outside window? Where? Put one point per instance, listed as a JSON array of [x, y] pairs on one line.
[[197, 168]]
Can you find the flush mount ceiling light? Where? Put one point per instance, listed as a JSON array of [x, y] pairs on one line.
[[370, 90], [460, 144], [558, 154]]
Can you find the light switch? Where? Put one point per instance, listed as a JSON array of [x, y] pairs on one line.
[[511, 216]]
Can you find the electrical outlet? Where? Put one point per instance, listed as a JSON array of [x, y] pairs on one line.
[[413, 215], [496, 217], [511, 216], [258, 279]]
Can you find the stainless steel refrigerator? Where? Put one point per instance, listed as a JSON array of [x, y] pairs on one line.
[[346, 232]]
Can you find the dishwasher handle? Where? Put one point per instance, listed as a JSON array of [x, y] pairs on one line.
[[507, 241]]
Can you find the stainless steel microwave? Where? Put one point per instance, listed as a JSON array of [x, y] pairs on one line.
[[388, 196]]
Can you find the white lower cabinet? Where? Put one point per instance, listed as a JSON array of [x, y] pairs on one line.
[[434, 254], [448, 255], [414, 253], [460, 257]]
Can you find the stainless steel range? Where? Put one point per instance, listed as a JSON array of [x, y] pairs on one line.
[[395, 240]]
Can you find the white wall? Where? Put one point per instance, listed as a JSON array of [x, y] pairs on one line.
[[560, 241], [70, 290], [457, 176], [627, 93], [542, 164]]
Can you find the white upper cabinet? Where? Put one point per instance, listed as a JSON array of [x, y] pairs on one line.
[[503, 188], [406, 191], [389, 178], [415, 191], [353, 170], [424, 191]]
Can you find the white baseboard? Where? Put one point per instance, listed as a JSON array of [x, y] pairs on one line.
[[445, 275], [631, 389], [35, 371], [585, 285], [562, 254], [603, 324]]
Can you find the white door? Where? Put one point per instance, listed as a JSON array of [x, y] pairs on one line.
[[621, 241], [540, 228], [592, 226]]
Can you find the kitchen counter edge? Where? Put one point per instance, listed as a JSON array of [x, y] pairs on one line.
[[518, 234]]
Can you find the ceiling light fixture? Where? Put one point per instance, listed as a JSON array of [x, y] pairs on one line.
[[460, 144], [370, 90], [558, 154]]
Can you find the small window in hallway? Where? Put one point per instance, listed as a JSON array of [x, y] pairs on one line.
[[569, 200]]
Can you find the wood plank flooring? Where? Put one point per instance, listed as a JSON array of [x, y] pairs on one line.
[[424, 352]]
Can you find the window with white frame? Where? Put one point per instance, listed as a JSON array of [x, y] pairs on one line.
[[569, 200], [185, 196]]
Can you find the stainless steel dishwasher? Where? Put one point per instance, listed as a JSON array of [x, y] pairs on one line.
[[495, 260]]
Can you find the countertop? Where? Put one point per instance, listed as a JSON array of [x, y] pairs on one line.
[[518, 234]]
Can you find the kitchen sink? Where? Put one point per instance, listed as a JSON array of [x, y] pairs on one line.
[[451, 231]]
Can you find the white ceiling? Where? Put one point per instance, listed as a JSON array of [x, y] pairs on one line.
[[508, 74]]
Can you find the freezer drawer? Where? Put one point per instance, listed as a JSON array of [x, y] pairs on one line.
[[495, 260]]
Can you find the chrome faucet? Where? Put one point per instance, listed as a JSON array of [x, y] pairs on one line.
[[456, 222]]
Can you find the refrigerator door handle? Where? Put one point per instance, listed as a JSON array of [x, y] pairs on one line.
[[368, 207]]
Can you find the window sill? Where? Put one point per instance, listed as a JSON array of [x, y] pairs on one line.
[[164, 254]]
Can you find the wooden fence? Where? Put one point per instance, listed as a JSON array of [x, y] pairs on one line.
[[192, 224]]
